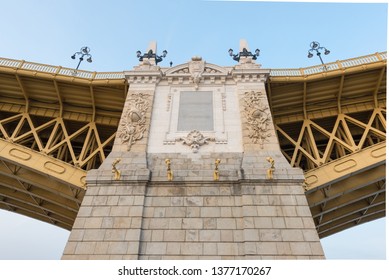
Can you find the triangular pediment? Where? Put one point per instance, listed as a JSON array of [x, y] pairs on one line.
[[207, 70], [178, 70]]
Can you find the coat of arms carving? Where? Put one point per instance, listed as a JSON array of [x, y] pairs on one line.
[[133, 123], [196, 69]]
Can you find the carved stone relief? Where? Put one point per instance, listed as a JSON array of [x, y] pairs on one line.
[[182, 71], [133, 124], [195, 139], [211, 70], [258, 117], [196, 69]]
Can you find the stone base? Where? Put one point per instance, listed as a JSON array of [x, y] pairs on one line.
[[265, 219], [228, 221]]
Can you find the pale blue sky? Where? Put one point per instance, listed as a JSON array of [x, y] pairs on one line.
[[49, 32]]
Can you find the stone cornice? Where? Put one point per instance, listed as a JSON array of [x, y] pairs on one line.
[[249, 72], [148, 74]]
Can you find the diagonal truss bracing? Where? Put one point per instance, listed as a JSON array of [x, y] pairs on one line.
[[332, 149], [322, 141], [78, 144]]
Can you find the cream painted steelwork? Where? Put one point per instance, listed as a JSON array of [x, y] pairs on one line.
[[39, 186], [333, 125], [56, 123]]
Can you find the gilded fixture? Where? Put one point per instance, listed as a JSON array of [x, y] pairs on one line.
[[216, 171], [305, 185], [169, 171], [270, 171], [115, 171]]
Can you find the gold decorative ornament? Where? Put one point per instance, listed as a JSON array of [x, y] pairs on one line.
[[305, 185], [270, 171], [116, 171], [216, 171], [169, 171]]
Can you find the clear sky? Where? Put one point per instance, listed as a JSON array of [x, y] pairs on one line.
[[49, 32]]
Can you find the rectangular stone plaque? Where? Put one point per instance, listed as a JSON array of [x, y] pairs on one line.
[[196, 111]]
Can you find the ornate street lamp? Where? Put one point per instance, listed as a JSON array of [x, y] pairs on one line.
[[315, 46], [83, 52], [151, 54], [244, 53]]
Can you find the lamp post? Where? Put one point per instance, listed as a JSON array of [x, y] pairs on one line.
[[315, 46], [83, 52], [244, 53], [151, 54]]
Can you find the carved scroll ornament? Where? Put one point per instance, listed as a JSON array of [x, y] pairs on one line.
[[195, 139], [258, 118], [133, 123]]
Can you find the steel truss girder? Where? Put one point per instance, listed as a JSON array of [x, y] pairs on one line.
[[39, 186], [343, 174], [339, 141], [346, 166], [364, 215], [347, 191], [60, 143]]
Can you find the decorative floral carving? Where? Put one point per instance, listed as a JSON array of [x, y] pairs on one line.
[[133, 124], [195, 139], [258, 117]]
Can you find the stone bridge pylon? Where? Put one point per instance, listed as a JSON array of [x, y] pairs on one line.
[[196, 172]]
